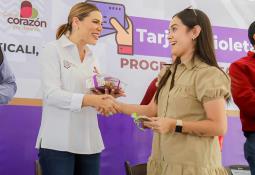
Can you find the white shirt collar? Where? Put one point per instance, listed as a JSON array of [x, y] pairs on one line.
[[65, 42]]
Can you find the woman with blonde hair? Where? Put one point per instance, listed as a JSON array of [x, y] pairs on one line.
[[69, 140]]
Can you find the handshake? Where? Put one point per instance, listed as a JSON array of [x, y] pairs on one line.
[[105, 104], [109, 106]]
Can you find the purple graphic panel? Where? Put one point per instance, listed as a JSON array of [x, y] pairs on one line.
[[233, 143], [19, 127], [18, 131], [110, 10], [230, 43], [123, 141], [150, 38]]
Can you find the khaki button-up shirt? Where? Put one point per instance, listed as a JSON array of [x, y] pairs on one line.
[[177, 153]]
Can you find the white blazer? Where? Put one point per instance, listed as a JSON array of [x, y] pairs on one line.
[[65, 125]]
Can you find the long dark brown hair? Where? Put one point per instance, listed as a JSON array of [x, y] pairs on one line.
[[204, 47], [79, 10]]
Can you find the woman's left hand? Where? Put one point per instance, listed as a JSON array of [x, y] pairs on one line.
[[161, 125]]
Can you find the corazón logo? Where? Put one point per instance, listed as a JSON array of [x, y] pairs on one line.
[[28, 18], [27, 10]]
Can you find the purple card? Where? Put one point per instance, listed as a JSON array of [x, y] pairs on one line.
[[110, 10]]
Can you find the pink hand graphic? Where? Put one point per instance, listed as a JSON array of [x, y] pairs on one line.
[[123, 37]]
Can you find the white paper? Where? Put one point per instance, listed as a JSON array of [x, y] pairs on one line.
[[241, 172]]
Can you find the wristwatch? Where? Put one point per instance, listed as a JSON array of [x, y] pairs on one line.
[[178, 126]]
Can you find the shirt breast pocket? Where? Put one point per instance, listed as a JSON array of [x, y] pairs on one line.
[[184, 99]]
